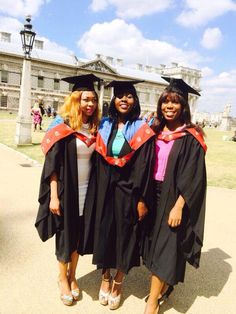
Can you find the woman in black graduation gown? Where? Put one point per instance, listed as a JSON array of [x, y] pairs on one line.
[[68, 147], [124, 153], [175, 229]]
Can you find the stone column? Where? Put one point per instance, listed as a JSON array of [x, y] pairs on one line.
[[101, 95], [226, 119], [24, 119]]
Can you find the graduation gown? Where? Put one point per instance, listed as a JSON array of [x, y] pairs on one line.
[[119, 184], [166, 249], [61, 158]]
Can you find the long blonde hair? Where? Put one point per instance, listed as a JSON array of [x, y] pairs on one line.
[[70, 111]]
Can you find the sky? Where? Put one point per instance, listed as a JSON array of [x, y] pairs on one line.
[[195, 33]]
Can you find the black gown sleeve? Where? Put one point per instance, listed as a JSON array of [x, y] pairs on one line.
[[46, 223], [141, 175], [191, 184], [143, 170]]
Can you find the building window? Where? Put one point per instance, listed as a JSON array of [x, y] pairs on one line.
[[38, 44], [55, 105], [6, 37], [40, 81], [4, 76], [3, 101], [71, 86], [56, 84]]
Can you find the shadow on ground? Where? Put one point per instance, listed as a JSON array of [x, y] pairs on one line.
[[207, 281]]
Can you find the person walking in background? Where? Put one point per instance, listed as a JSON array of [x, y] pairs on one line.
[[176, 223], [68, 147], [37, 116], [42, 111], [124, 151]]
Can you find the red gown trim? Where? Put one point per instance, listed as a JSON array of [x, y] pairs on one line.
[[199, 137], [59, 132], [143, 134], [174, 136]]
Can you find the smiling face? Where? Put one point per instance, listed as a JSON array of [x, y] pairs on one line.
[[171, 111], [88, 104], [124, 103]]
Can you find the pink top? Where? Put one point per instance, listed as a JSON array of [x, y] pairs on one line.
[[162, 153], [162, 150]]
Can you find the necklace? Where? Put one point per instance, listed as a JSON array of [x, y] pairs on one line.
[[85, 126]]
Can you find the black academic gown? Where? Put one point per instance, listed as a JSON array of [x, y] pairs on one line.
[[167, 249], [61, 159], [116, 230]]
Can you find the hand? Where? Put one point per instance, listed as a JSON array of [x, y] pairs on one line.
[[175, 216], [142, 210], [54, 206]]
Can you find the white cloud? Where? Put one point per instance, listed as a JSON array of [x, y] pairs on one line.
[[206, 71], [9, 24], [13, 26], [200, 12], [132, 8], [108, 39], [218, 91], [20, 8], [99, 5], [54, 47], [212, 38]]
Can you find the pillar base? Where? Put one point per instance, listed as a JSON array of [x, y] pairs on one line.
[[23, 132]]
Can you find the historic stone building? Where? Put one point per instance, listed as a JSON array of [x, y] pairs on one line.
[[47, 69]]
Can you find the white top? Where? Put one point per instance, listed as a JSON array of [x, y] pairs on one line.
[[84, 165]]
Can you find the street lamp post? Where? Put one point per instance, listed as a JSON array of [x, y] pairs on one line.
[[24, 120]]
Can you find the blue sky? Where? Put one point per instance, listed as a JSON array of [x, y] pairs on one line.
[[195, 33]]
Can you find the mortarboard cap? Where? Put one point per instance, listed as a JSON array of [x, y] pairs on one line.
[[179, 86], [121, 87], [82, 82]]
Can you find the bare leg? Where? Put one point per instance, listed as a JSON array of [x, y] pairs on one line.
[[115, 296], [152, 306], [63, 281], [105, 285], [104, 291], [71, 276], [72, 271], [116, 288]]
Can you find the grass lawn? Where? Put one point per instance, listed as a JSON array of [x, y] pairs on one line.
[[220, 157], [7, 136]]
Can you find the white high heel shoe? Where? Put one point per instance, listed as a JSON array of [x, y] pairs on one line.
[[103, 296], [65, 298], [114, 302]]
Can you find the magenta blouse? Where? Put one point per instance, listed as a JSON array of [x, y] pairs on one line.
[[162, 150]]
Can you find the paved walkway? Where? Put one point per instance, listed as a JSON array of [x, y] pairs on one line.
[[29, 270]]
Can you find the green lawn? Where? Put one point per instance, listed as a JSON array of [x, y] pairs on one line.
[[220, 157], [7, 136]]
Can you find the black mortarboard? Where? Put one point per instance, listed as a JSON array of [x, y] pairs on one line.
[[121, 87], [179, 86], [82, 82]]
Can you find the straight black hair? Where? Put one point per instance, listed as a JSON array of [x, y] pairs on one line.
[[131, 116], [185, 116]]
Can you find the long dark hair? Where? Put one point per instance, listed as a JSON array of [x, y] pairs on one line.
[[131, 116], [185, 116]]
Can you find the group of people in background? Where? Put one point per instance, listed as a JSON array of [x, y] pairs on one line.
[[123, 189], [38, 111]]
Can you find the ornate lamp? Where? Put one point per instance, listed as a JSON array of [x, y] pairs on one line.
[[24, 120], [27, 37]]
